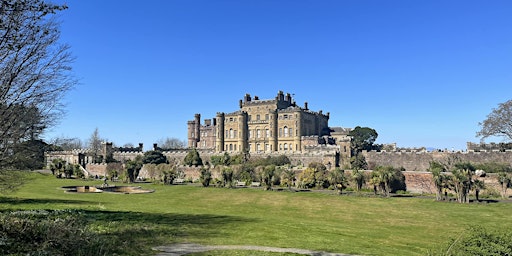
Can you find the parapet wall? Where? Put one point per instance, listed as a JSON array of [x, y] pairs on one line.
[[419, 160]]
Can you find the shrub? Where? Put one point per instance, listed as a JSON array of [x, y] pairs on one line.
[[47, 233], [477, 240]]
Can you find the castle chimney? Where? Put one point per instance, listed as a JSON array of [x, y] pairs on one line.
[[288, 97], [247, 97], [240, 103], [141, 146], [155, 146], [256, 98], [306, 105]]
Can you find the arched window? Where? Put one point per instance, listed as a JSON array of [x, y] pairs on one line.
[[285, 131], [231, 133], [285, 146], [258, 133], [230, 147]]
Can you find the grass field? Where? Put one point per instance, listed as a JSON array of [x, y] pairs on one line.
[[215, 216]]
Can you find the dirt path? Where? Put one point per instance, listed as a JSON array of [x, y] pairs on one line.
[[184, 249]]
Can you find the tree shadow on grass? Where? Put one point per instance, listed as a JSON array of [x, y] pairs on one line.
[[135, 233], [21, 201]]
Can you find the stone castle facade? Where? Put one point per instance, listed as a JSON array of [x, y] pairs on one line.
[[267, 126]]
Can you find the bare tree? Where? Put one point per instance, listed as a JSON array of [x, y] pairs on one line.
[[64, 143], [35, 71], [498, 122], [94, 144], [171, 143]]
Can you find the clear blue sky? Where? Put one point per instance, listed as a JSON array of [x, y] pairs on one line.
[[421, 73]]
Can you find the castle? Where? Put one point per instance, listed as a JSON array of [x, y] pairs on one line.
[[260, 127], [266, 126]]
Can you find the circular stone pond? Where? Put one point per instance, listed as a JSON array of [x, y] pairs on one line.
[[108, 189]]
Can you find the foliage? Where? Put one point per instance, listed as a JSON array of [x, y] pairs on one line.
[[462, 181], [338, 179], [498, 122], [268, 176], [192, 158], [359, 179], [10, 180], [362, 138], [227, 177], [205, 177], [477, 240], [225, 159], [358, 161], [133, 167], [388, 179], [505, 180], [245, 172], [493, 167], [315, 175], [441, 181], [28, 155], [44, 232], [288, 177], [154, 157]]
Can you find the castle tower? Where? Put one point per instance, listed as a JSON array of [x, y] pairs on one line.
[[219, 141], [273, 129], [244, 130], [193, 131]]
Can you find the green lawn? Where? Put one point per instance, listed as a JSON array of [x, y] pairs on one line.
[[214, 216]]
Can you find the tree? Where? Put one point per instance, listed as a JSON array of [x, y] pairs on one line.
[[64, 143], [362, 138], [338, 180], [171, 143], [205, 177], [498, 122], [359, 178], [462, 181], [193, 158], [439, 179], [505, 180], [133, 167], [268, 176], [383, 177], [94, 144], [154, 157], [227, 177], [289, 177], [35, 71]]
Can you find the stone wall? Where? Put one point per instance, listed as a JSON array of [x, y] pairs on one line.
[[419, 160]]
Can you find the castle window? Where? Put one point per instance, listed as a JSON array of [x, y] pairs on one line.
[[280, 146], [280, 132], [257, 117], [231, 133], [235, 133], [285, 116], [250, 133], [258, 147], [285, 146], [267, 147], [296, 147], [231, 119], [249, 118], [267, 132], [230, 147], [285, 132], [266, 116], [258, 133], [227, 133], [235, 147]]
